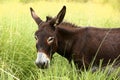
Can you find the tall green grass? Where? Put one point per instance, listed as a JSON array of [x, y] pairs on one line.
[[17, 44]]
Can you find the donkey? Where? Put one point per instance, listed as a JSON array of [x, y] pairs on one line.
[[80, 44]]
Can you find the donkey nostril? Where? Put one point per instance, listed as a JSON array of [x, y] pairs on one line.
[[43, 64]]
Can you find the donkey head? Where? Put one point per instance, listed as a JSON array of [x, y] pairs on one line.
[[46, 41]]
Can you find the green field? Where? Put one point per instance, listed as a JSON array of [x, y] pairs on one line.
[[17, 43]]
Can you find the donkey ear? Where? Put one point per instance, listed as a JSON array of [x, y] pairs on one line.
[[35, 17], [60, 16]]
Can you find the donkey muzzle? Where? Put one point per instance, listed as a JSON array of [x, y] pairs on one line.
[[42, 60]]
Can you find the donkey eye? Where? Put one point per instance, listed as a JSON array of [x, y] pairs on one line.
[[50, 40]]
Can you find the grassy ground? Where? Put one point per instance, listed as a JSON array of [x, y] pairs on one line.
[[17, 44]]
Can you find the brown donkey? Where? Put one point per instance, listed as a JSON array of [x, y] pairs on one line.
[[82, 45]]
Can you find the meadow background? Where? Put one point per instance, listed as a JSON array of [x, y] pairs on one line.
[[17, 43]]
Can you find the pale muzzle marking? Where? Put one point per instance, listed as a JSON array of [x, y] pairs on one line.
[[42, 60]]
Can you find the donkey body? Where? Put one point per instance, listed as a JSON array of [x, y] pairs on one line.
[[75, 43], [82, 44]]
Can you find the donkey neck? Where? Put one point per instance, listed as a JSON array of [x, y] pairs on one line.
[[66, 35]]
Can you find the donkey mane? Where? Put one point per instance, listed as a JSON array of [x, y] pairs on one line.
[[70, 25], [68, 28]]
